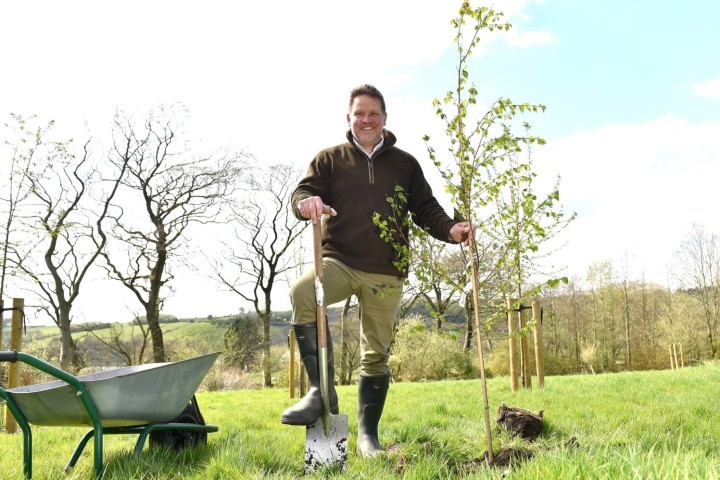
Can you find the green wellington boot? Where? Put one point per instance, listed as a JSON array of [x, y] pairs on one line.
[[310, 407], [372, 393]]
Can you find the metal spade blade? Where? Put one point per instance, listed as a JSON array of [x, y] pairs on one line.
[[330, 451]]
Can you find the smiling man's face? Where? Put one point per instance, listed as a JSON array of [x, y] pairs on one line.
[[367, 121]]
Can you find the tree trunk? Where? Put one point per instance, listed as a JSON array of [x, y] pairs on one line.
[[65, 340], [628, 354], [157, 340], [154, 300], [267, 374], [153, 319]]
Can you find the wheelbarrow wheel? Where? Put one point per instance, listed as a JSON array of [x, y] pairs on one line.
[[177, 440]]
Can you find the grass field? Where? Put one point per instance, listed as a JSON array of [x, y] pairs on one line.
[[646, 425]]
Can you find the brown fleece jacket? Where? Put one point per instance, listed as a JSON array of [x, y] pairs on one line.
[[357, 187]]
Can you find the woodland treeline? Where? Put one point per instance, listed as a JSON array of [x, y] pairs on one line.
[[606, 321], [609, 322]]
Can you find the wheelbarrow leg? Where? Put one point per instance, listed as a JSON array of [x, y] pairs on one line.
[[98, 454], [78, 450], [142, 437], [25, 427], [27, 453]]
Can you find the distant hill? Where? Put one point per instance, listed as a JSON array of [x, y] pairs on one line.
[[206, 331]]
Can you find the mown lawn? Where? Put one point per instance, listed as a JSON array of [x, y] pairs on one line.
[[646, 425]]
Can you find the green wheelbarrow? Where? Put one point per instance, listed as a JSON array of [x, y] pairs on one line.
[[139, 400]]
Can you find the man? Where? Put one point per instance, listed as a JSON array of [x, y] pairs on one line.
[[356, 178]]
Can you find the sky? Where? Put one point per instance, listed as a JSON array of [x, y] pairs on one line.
[[632, 90]]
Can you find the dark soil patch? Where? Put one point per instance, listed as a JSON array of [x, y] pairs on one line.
[[521, 423], [504, 458]]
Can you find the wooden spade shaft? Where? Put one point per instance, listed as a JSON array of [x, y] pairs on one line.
[[321, 324]]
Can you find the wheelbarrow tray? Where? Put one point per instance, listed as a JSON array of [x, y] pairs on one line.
[[125, 396]]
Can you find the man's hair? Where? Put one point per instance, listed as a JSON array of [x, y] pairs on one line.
[[368, 90]]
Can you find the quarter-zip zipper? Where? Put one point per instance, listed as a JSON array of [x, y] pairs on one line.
[[371, 171]]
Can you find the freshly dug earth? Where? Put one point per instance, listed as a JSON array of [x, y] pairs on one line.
[[504, 458], [521, 423]]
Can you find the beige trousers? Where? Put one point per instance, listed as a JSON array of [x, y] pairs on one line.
[[379, 297]]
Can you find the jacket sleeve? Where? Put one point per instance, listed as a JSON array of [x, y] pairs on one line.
[[427, 213], [316, 182]]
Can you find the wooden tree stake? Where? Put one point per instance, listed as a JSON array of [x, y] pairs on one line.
[[539, 366], [512, 341], [525, 349], [14, 368], [672, 363]]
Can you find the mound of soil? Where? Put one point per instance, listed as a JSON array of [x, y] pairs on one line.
[[521, 423]]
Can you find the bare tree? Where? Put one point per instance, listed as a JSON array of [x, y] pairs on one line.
[[602, 277], [167, 189], [22, 146], [699, 257], [70, 233], [130, 346], [489, 289], [62, 223], [435, 269], [625, 290], [576, 306], [262, 249]]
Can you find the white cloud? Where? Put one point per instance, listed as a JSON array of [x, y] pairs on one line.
[[709, 89], [529, 38], [521, 34], [244, 69], [637, 189]]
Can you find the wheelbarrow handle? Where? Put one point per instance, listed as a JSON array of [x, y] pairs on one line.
[[9, 356]]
